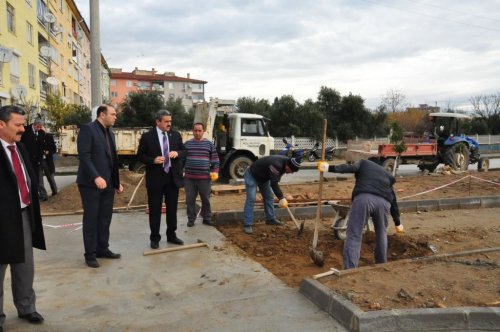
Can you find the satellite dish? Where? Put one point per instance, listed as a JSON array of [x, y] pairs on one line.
[[19, 92], [5, 54], [52, 80], [46, 50], [49, 17]]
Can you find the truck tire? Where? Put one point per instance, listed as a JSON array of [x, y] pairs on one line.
[[461, 156], [483, 165], [238, 166], [389, 164], [138, 167]]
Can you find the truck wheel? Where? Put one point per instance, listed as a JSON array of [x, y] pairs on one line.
[[461, 157], [388, 165], [238, 166], [483, 165], [139, 167]]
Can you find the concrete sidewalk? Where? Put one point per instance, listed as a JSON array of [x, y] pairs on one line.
[[203, 289]]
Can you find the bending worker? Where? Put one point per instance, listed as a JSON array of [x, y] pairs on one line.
[[266, 173], [372, 196]]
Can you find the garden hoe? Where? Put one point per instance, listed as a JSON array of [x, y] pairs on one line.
[[316, 255], [300, 227]]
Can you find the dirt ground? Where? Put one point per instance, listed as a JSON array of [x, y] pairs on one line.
[[471, 280]]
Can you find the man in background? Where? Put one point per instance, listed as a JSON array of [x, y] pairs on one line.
[[33, 138], [201, 168]]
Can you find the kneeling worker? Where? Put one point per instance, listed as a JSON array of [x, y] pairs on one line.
[[266, 173], [372, 196]]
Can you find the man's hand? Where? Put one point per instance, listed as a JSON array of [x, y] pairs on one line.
[[323, 166], [283, 203], [120, 189], [214, 176], [173, 154], [100, 183], [159, 160], [400, 229]]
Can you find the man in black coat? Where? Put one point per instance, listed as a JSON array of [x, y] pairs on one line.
[[47, 166], [97, 180], [162, 151], [33, 138], [20, 221]]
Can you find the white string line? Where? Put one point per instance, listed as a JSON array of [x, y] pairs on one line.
[[492, 182], [440, 187], [63, 225]]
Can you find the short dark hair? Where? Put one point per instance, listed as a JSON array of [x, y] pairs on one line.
[[161, 113], [7, 110], [199, 124], [101, 109]]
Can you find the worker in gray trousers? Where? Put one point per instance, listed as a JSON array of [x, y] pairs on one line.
[[372, 196]]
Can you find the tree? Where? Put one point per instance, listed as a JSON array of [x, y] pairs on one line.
[[181, 119], [398, 143], [284, 115], [394, 101], [310, 120], [328, 105], [57, 110], [254, 106], [30, 109], [488, 108], [139, 109], [78, 115]]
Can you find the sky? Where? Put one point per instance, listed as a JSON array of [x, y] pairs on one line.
[[439, 53]]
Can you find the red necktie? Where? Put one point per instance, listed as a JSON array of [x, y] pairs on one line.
[[21, 181]]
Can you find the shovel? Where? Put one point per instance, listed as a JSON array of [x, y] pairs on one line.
[[316, 255], [300, 227]]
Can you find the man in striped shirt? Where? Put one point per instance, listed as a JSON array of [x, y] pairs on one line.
[[201, 167]]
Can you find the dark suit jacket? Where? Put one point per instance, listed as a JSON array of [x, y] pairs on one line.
[[11, 225], [34, 144], [95, 158], [50, 145], [150, 148]]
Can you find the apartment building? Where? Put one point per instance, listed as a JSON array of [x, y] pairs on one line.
[[46, 47], [188, 89]]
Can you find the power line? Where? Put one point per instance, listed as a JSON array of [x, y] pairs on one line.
[[432, 16]]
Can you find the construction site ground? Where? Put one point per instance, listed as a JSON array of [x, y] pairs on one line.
[[470, 280]]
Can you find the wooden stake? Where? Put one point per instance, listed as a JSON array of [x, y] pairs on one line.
[[135, 191], [161, 251]]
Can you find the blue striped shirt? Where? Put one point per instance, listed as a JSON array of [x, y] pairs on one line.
[[201, 159]]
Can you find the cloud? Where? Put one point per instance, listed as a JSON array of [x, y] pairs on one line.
[[433, 52]]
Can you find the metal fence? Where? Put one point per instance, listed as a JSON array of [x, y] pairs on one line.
[[308, 143]]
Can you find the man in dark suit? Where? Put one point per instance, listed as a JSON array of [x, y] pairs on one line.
[[33, 138], [162, 151], [97, 179], [20, 221], [47, 166]]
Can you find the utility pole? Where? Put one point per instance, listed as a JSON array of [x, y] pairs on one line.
[[95, 56]]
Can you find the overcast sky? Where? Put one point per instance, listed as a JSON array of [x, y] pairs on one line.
[[435, 52]]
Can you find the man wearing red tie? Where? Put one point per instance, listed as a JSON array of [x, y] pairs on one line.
[[20, 220], [162, 151]]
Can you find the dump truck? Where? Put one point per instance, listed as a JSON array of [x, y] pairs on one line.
[[240, 139]]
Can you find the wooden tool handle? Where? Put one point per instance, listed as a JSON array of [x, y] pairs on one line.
[[320, 192], [161, 251]]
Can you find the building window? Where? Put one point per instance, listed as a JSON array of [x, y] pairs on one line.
[[29, 33], [129, 84], [11, 18], [170, 85], [14, 66], [62, 62], [31, 75], [112, 82], [114, 94]]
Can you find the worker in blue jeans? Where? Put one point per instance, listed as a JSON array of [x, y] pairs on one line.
[[265, 173]]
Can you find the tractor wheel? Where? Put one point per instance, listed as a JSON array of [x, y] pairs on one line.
[[483, 165], [238, 166], [461, 156], [388, 165]]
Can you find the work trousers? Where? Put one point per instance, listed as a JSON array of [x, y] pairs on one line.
[[251, 189], [193, 187], [363, 207], [45, 169], [22, 275]]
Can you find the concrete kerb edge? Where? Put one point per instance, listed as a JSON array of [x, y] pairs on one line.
[[354, 319]]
